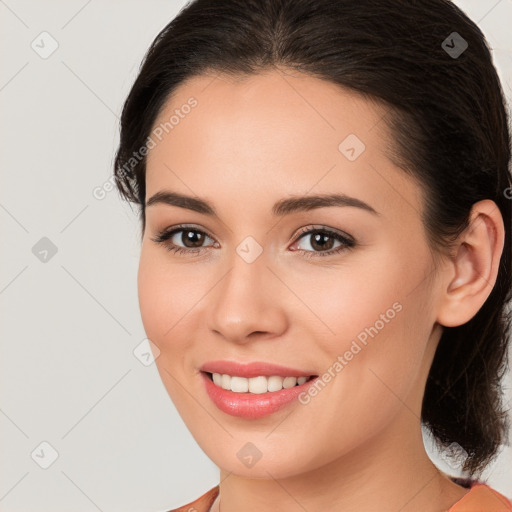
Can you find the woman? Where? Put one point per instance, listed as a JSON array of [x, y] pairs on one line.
[[324, 192]]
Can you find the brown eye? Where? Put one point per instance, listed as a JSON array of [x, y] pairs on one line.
[[322, 241], [191, 238]]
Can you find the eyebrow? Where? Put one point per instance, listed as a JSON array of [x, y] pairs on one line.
[[281, 208]]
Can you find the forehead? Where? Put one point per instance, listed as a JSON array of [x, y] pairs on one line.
[[274, 134], [268, 105]]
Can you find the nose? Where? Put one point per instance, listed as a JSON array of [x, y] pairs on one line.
[[248, 302]]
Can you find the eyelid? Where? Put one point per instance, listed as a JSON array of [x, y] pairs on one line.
[[169, 232], [321, 227], [301, 231]]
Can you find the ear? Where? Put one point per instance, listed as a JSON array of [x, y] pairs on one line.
[[471, 273]]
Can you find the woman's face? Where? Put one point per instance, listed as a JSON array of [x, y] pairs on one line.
[[264, 287]]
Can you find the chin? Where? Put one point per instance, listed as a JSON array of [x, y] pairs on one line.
[[259, 460]]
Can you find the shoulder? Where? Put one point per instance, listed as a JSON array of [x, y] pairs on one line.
[[483, 498], [202, 504]]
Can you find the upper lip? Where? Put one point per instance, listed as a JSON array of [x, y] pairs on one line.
[[253, 369]]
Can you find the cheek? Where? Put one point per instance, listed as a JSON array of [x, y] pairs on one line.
[[348, 300], [164, 304], [166, 294], [378, 329], [154, 303], [158, 308]]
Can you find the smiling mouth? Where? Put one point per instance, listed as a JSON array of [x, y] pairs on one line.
[[256, 385]]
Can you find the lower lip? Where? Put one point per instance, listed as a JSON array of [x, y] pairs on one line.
[[252, 405]]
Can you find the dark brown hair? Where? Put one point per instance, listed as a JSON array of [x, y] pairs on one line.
[[448, 120]]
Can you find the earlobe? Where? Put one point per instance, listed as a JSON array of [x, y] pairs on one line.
[[472, 273]]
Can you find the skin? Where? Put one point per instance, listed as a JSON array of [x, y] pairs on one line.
[[357, 445]]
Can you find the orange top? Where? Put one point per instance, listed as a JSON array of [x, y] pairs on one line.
[[480, 498]]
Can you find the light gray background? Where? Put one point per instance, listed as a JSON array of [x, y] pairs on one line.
[[69, 325]]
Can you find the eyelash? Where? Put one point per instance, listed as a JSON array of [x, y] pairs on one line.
[[164, 236]]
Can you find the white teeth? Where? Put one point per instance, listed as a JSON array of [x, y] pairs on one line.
[[217, 379], [275, 383], [256, 385], [226, 382], [289, 382], [239, 385]]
